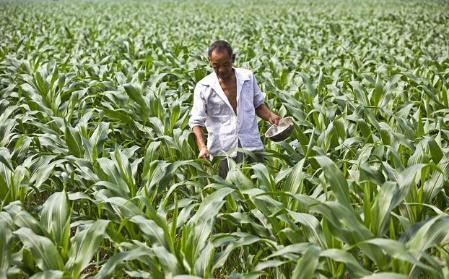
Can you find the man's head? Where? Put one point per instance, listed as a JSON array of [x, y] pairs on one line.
[[221, 58]]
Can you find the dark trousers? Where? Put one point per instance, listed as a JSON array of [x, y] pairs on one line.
[[224, 166]]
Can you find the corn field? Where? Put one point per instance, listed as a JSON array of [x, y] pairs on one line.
[[99, 176]]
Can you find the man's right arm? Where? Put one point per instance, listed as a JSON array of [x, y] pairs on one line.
[[197, 121], [199, 138]]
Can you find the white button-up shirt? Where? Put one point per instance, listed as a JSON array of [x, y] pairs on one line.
[[225, 128]]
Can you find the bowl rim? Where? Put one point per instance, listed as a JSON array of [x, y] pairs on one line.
[[291, 124]]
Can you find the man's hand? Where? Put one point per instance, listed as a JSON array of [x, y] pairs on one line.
[[198, 132], [274, 119], [204, 153]]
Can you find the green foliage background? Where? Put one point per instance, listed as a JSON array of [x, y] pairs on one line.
[[98, 176]]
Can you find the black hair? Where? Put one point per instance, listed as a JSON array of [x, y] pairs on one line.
[[220, 45]]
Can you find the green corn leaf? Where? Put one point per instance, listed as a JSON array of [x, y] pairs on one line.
[[150, 228], [48, 274], [5, 158], [435, 151], [111, 265], [346, 258], [336, 180], [312, 225], [295, 178], [211, 205], [429, 234], [73, 141], [268, 264], [382, 275], [44, 251], [307, 264], [55, 218], [235, 241], [5, 257], [84, 245]]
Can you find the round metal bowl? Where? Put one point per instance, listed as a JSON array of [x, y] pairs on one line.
[[282, 131]]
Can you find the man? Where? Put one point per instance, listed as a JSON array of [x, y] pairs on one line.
[[226, 103]]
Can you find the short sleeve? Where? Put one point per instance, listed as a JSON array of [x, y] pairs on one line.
[[198, 114], [259, 96]]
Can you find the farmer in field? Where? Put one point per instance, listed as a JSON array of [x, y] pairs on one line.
[[226, 103]]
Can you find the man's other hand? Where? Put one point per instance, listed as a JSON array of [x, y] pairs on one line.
[[266, 114], [274, 119]]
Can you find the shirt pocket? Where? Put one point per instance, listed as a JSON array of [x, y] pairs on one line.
[[248, 105], [215, 105]]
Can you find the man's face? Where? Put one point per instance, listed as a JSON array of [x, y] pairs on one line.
[[221, 62]]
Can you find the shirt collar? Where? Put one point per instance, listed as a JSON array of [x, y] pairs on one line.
[[212, 79]]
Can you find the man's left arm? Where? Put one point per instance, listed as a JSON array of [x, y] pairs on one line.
[[266, 114], [262, 109]]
